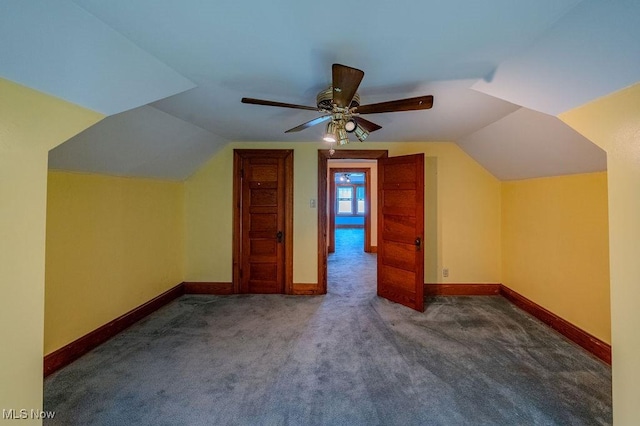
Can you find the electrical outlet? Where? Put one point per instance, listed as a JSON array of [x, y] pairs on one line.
[[445, 272], [312, 203]]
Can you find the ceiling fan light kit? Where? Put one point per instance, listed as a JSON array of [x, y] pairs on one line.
[[340, 103], [343, 138], [330, 132], [350, 125], [361, 134]]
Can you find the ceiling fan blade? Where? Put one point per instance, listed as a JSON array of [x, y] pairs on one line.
[[409, 104], [367, 125], [310, 123], [277, 104], [345, 84]]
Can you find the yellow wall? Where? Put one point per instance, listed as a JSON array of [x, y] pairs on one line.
[[465, 233], [209, 214], [555, 240], [31, 123], [112, 244], [147, 220], [613, 123]]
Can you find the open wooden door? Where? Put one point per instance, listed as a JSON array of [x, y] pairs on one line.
[[401, 230]]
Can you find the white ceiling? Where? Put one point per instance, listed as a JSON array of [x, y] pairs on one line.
[[532, 144], [171, 74], [59, 48], [140, 142]]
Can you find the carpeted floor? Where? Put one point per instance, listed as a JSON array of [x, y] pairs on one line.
[[346, 358]]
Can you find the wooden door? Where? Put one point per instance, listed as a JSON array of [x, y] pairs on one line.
[[401, 230], [264, 221]]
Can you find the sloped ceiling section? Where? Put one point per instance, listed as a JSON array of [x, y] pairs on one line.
[[141, 142], [532, 144], [458, 111], [58, 48], [173, 73], [283, 50], [592, 51]]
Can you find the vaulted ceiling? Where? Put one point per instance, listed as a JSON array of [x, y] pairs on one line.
[[170, 74]]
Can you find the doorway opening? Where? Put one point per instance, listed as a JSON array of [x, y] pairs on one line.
[[400, 224], [327, 202], [351, 265], [352, 195]]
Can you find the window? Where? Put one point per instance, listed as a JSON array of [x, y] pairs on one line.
[[350, 200], [360, 200], [345, 200]]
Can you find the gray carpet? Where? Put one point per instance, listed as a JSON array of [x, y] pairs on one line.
[[347, 358]]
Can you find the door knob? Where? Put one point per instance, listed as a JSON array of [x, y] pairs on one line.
[[418, 243], [279, 236]]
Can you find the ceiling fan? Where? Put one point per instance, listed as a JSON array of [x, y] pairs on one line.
[[340, 104]]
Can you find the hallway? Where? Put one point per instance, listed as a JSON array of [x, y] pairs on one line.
[[351, 273]]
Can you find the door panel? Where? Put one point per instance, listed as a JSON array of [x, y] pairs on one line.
[[401, 280], [264, 196], [401, 230], [262, 206], [396, 227], [263, 247], [400, 255]]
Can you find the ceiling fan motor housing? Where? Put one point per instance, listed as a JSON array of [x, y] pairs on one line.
[[325, 99], [340, 117]]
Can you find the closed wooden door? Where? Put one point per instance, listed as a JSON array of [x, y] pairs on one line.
[[401, 230], [264, 222]]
